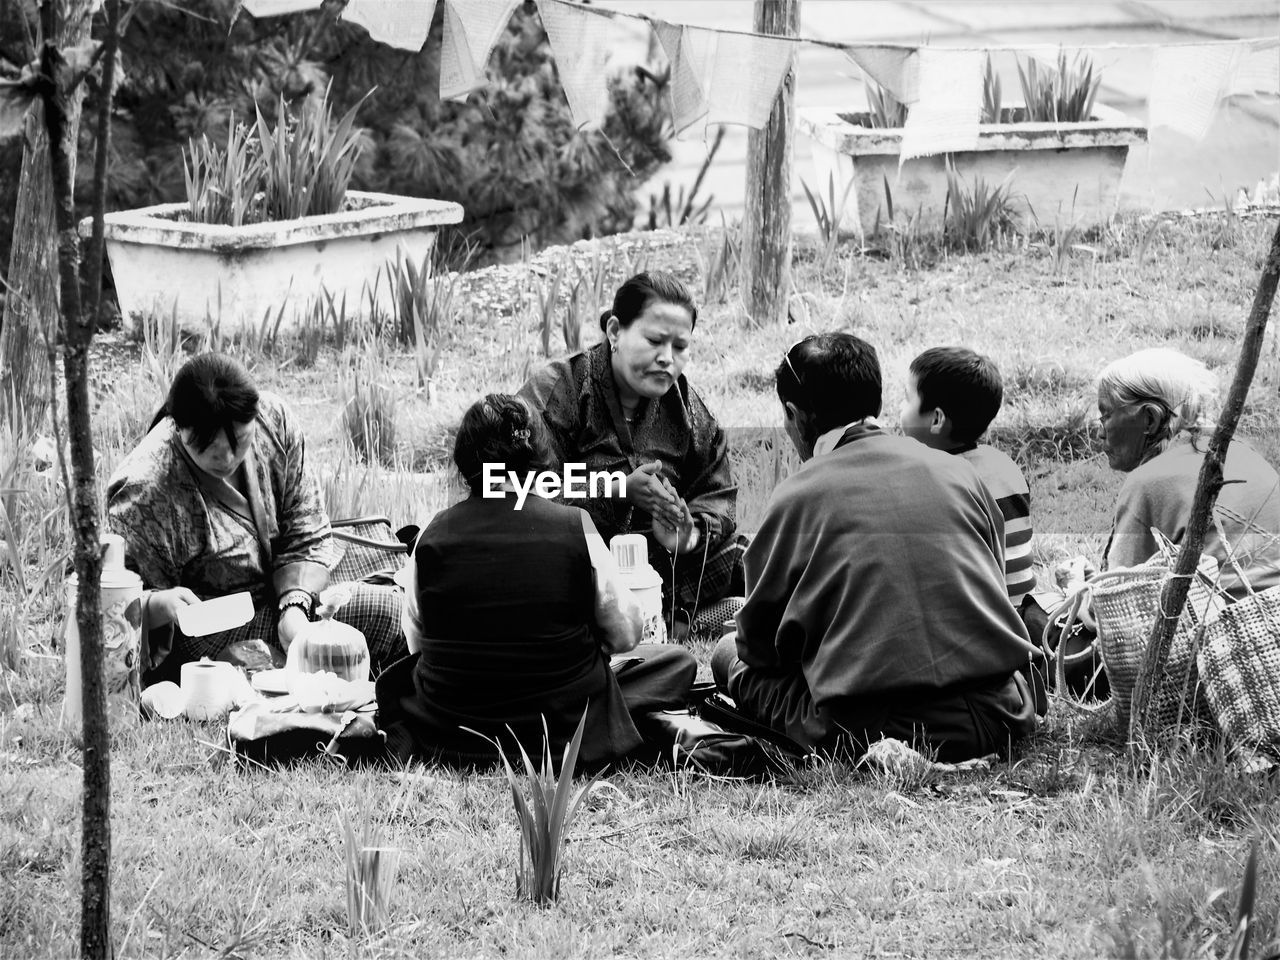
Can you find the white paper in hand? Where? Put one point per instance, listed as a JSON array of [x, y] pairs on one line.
[[216, 615]]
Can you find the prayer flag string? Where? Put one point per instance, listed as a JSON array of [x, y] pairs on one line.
[[721, 75]]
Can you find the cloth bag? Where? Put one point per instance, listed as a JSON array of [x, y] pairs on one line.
[[369, 550]]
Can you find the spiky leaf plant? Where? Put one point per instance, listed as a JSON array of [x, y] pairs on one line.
[[370, 876], [884, 110], [976, 217], [1061, 95], [990, 93], [546, 814]]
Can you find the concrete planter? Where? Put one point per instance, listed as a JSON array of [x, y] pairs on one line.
[[236, 276], [1053, 164]]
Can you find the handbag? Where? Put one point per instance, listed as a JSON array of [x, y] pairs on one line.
[[1239, 664], [684, 737], [368, 549]]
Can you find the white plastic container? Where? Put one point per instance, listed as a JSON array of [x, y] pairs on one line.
[[121, 597], [209, 688], [631, 554], [329, 646]]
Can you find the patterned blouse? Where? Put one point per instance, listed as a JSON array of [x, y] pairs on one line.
[[579, 403], [184, 528]]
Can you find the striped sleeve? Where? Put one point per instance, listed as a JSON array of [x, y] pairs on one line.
[[1019, 577], [1009, 488]]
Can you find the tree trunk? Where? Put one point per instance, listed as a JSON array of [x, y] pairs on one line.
[[65, 25], [31, 308], [767, 236], [1174, 595]]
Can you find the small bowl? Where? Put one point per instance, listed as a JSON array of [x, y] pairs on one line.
[[272, 681], [164, 699]]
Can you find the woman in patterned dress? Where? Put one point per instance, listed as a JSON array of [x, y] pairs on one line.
[[218, 498]]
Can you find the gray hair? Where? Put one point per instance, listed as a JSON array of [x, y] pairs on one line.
[[1184, 386]]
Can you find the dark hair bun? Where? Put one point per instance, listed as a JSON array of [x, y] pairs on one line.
[[500, 428]]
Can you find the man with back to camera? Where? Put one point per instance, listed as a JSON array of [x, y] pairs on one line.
[[876, 602]]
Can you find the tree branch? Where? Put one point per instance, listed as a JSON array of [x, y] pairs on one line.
[[98, 241], [1173, 596]]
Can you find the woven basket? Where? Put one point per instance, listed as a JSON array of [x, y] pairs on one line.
[[1239, 664], [1125, 604]]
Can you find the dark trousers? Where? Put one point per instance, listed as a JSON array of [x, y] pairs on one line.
[[957, 723], [649, 678]]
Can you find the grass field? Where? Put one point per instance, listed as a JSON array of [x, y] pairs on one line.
[[1067, 851]]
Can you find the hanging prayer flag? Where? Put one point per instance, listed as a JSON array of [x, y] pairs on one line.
[[580, 45], [273, 8], [471, 28], [945, 117], [746, 74], [688, 102], [398, 23], [1186, 84], [893, 68], [1258, 72]]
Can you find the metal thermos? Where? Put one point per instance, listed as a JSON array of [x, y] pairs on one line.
[[121, 637]]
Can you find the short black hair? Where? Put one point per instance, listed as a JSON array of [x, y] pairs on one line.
[[500, 428], [645, 288], [210, 394], [833, 377], [964, 384]]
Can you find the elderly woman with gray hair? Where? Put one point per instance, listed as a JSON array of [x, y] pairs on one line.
[[1156, 411]]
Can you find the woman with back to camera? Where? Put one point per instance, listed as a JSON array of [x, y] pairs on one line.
[[218, 498], [625, 405], [511, 613]]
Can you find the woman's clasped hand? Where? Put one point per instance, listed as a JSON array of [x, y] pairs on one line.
[[650, 491]]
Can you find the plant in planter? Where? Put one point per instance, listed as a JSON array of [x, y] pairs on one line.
[[1056, 147], [1064, 95], [268, 227], [300, 168]]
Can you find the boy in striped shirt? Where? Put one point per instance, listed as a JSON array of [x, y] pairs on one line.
[[952, 395]]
